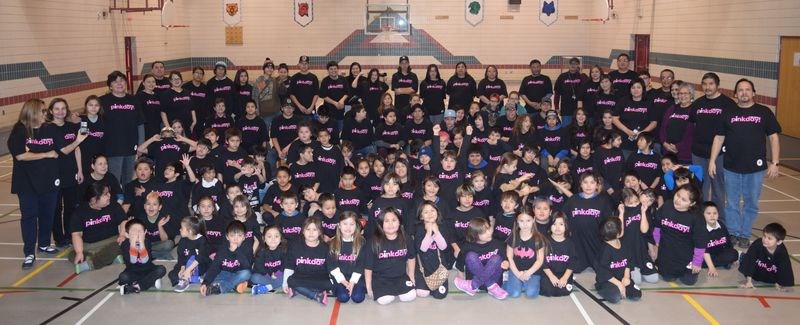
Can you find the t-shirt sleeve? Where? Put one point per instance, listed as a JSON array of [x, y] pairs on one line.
[[771, 123], [16, 140]]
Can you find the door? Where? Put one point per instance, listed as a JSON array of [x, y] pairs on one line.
[[641, 48], [788, 109]]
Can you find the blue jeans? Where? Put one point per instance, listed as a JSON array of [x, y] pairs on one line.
[[746, 186], [276, 283], [359, 293], [229, 280], [307, 292], [716, 186], [37, 212], [363, 152], [268, 119], [122, 168], [514, 285], [272, 160]]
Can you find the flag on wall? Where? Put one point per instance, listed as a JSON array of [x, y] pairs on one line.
[[473, 12], [303, 12], [232, 12], [548, 11]]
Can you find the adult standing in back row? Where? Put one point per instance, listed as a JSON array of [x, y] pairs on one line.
[[743, 132], [622, 78], [534, 87], [404, 82], [124, 122], [461, 88], [304, 90]]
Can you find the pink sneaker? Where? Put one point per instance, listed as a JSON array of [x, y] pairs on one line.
[[465, 286], [290, 293], [497, 292]]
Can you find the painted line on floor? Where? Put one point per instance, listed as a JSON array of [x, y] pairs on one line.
[[335, 312], [779, 191], [761, 298], [77, 303], [6, 174], [38, 258], [601, 304], [37, 270], [94, 309], [778, 212], [8, 213], [9, 204], [67, 280], [9, 221], [787, 175], [581, 309], [768, 201], [71, 298], [4, 292], [697, 306], [12, 244]]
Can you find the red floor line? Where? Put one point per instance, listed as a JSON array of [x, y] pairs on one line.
[[335, 313], [713, 294], [763, 302], [67, 280]]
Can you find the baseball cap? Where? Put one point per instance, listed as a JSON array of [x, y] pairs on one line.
[[551, 113], [426, 151], [547, 98], [303, 59], [404, 58], [449, 113], [221, 64]]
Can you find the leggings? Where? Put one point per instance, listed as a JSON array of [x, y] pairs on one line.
[[483, 274]]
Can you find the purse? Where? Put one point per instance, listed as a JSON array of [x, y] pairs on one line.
[[439, 275]]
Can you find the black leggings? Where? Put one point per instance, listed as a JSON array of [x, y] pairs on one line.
[[688, 278], [146, 279], [610, 292]]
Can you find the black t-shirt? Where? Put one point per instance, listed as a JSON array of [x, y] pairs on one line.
[[215, 231], [348, 261], [661, 100], [166, 151], [351, 200], [488, 87], [391, 134], [506, 126], [283, 129], [161, 85], [610, 163], [97, 225], [768, 267], [612, 263], [269, 261], [254, 132], [225, 166], [291, 227], [334, 89], [94, 143], [560, 257], [707, 114], [622, 82], [250, 186], [462, 91], [555, 140], [676, 125], [197, 247], [535, 87], [307, 174], [221, 89], [151, 108], [304, 87], [718, 239], [177, 105], [241, 94], [459, 221], [329, 163], [388, 259], [220, 124], [745, 131], [196, 163], [602, 102], [503, 226], [681, 233], [67, 165], [524, 252], [122, 116], [200, 99], [635, 115], [569, 86], [359, 133], [332, 128], [485, 251], [400, 80], [229, 261], [215, 191], [433, 94], [422, 131], [380, 203], [371, 96], [35, 176], [273, 198], [585, 215], [648, 167], [329, 225]]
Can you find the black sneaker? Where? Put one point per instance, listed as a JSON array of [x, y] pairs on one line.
[[28, 263], [744, 243], [213, 290], [48, 250]]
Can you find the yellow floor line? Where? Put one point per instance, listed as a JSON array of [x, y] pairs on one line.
[[696, 305], [37, 270]]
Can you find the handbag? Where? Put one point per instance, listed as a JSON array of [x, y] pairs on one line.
[[439, 275]]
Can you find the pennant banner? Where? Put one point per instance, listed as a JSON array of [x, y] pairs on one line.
[[548, 11], [303, 12], [473, 12], [232, 12]]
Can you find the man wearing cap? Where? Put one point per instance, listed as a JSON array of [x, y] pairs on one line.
[[221, 86], [404, 83], [539, 120], [334, 90], [157, 69], [449, 122], [304, 89], [568, 89], [534, 87]]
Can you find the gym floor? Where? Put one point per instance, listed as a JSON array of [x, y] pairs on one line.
[[50, 292]]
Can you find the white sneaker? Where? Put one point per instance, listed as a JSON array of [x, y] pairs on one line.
[[158, 284]]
